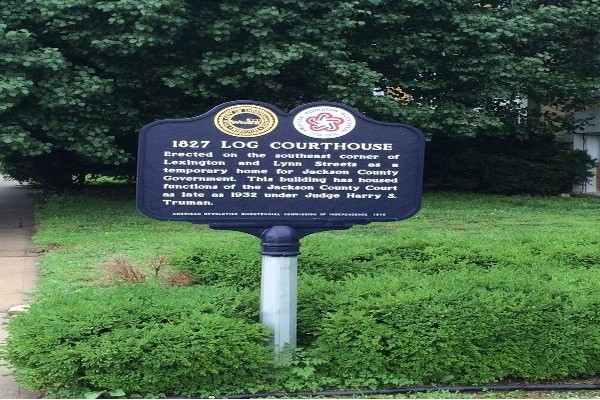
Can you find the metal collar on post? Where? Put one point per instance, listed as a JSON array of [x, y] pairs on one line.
[[280, 241]]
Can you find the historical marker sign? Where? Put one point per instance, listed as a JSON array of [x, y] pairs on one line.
[[247, 163], [248, 166]]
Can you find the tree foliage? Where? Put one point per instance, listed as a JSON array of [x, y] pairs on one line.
[[466, 63], [80, 77]]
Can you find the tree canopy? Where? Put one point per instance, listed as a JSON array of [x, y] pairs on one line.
[[79, 78]]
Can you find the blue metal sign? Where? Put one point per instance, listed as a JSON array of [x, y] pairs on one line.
[[248, 164]]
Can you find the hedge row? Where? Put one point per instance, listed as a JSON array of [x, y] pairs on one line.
[[459, 327], [144, 339], [409, 327], [240, 266]]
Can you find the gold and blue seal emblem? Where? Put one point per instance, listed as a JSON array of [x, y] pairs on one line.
[[246, 120]]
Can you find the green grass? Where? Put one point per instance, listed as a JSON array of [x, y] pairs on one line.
[[452, 230]]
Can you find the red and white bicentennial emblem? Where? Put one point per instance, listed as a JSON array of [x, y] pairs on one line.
[[324, 122]]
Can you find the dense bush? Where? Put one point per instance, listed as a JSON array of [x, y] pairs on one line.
[[126, 337], [404, 311], [509, 166], [403, 328], [236, 264], [459, 327], [321, 256]]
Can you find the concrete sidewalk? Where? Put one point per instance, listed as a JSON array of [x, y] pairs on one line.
[[18, 270]]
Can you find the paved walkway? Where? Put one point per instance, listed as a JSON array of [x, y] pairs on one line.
[[18, 270]]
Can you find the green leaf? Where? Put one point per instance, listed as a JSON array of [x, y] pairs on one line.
[[117, 393], [93, 395]]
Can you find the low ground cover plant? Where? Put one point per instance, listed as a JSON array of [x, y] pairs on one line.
[[474, 289]]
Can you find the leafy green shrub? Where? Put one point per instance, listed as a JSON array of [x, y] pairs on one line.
[[142, 339], [315, 300], [323, 256], [326, 259], [506, 166], [240, 266], [216, 263], [459, 327]]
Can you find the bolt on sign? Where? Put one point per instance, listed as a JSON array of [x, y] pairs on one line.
[[248, 164]]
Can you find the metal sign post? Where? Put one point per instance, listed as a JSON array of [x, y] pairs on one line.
[[278, 289], [278, 299], [280, 247], [248, 166]]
